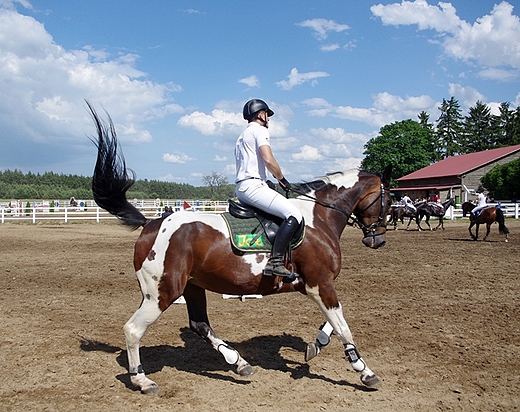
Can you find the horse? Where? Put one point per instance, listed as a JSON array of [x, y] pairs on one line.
[[488, 215], [187, 254], [433, 209], [399, 212]]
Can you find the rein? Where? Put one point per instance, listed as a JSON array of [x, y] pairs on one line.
[[352, 220]]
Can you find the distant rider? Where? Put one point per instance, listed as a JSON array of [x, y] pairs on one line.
[[481, 204], [408, 203]]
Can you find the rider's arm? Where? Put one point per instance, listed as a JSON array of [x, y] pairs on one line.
[[270, 161]]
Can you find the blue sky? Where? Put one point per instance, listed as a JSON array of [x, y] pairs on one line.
[[174, 76]]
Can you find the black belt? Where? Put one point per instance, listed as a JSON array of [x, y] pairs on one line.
[[247, 178]]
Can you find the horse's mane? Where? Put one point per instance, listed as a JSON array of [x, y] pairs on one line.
[[330, 178]]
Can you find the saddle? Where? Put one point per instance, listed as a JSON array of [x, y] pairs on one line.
[[253, 230]]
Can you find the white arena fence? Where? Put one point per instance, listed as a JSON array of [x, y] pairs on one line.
[[40, 211]]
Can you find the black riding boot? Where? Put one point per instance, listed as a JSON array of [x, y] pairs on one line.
[[275, 266]]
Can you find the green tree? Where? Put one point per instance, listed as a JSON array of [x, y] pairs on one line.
[[449, 128], [478, 133], [503, 181], [406, 145], [502, 126]]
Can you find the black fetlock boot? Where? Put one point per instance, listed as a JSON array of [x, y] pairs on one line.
[[275, 265]]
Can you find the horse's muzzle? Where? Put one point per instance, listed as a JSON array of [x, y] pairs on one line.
[[374, 240]]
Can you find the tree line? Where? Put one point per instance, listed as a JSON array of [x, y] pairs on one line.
[[410, 145], [49, 185]]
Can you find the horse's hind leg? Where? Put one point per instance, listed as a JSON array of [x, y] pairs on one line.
[[199, 323], [334, 317], [134, 330]]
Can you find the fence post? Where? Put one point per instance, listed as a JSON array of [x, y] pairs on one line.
[[65, 209], [34, 214], [97, 214]]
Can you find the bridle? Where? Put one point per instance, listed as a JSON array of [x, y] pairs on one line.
[[352, 220]]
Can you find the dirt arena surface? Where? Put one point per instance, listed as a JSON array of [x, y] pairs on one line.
[[434, 314]]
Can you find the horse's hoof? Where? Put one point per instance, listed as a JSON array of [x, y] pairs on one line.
[[371, 381], [247, 370], [150, 390], [506, 240], [311, 351]]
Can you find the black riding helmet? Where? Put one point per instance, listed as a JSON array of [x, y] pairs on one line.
[[254, 106]]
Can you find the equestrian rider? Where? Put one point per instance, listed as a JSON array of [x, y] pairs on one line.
[[408, 202], [481, 203], [253, 156]]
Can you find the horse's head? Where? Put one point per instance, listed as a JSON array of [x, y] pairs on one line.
[[372, 209]]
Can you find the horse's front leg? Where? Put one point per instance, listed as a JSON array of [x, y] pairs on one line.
[[474, 237], [488, 229], [199, 323], [335, 318]]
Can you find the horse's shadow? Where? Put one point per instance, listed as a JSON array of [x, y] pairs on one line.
[[197, 357]]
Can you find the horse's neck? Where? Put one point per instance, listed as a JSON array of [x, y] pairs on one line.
[[334, 219]]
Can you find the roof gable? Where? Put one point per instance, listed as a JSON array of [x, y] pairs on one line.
[[458, 165]]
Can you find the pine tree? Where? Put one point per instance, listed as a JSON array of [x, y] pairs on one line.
[[449, 128]]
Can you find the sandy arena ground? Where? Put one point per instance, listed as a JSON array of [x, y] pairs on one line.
[[435, 315]]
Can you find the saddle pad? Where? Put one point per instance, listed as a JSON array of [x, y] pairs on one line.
[[247, 235], [244, 231]]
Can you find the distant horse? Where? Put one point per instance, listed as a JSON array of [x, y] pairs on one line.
[[433, 209], [399, 212], [488, 215], [188, 253]]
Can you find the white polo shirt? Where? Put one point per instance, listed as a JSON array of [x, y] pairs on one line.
[[249, 162]]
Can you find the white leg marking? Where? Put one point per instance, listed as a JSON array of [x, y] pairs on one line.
[[335, 317]]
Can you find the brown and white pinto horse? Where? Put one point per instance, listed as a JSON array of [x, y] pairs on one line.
[[488, 215], [188, 253]]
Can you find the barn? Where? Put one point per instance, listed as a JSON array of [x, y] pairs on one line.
[[456, 176]]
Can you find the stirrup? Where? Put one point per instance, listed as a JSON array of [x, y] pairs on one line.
[[275, 267]]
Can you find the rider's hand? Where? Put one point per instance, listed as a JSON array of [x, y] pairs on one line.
[[285, 184], [270, 184]]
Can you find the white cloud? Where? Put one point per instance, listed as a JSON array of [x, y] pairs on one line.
[[500, 74], [220, 158], [307, 153], [219, 122], [491, 41], [322, 27], [296, 79], [251, 81], [465, 95], [387, 108], [46, 85], [223, 122], [329, 47], [179, 157]]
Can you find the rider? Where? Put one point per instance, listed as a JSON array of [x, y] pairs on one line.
[[408, 202], [253, 156], [481, 203]]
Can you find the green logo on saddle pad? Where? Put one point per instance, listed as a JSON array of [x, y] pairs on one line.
[[249, 240]]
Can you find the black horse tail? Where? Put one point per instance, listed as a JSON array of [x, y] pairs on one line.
[[111, 179], [501, 222]]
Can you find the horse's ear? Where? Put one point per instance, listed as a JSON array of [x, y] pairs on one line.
[[387, 174]]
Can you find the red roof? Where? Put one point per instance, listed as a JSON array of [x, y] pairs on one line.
[[458, 165]]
